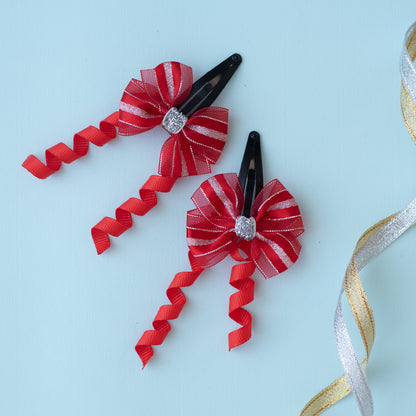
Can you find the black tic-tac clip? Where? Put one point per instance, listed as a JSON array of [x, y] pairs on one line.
[[206, 89], [251, 172]]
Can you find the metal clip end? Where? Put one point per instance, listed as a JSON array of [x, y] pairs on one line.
[[206, 89], [251, 172]]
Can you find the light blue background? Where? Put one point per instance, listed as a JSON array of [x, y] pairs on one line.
[[320, 81]]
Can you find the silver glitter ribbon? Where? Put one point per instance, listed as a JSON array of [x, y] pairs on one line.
[[371, 243], [374, 246], [407, 67]]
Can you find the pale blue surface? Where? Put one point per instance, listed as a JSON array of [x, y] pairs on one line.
[[320, 81]]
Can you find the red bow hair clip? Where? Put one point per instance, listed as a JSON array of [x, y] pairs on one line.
[[164, 96], [258, 226]]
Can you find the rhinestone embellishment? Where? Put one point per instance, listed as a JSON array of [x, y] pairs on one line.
[[174, 121], [245, 227]]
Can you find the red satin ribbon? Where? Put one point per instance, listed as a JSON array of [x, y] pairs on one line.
[[211, 237], [240, 280], [167, 313], [61, 153], [115, 227], [143, 106]]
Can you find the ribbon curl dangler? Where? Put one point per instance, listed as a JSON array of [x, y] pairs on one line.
[[257, 226], [164, 96]]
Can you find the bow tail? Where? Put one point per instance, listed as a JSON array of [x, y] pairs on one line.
[[61, 153], [167, 313], [179, 158], [240, 280]]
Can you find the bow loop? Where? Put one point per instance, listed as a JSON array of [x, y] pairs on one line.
[[279, 223], [137, 113], [209, 243], [220, 199], [210, 227], [168, 84], [275, 254], [275, 210]]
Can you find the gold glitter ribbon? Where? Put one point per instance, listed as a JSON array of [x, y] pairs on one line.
[[408, 89], [363, 315], [371, 243]]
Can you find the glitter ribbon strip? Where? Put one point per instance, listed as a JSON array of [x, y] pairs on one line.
[[370, 244], [408, 73], [212, 236]]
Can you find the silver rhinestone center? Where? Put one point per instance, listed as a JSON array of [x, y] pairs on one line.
[[245, 227], [174, 121]]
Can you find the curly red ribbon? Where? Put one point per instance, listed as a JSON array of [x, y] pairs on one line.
[[115, 227], [167, 313], [211, 237], [143, 106], [61, 153], [240, 280]]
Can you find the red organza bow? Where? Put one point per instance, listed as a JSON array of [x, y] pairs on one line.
[[190, 151], [213, 233], [144, 105], [211, 226]]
